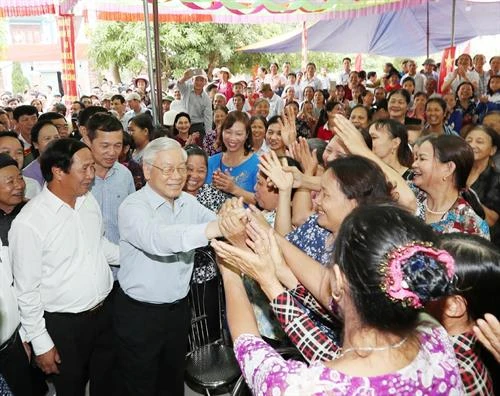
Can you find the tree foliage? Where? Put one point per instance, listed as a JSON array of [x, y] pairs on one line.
[[19, 81], [123, 45]]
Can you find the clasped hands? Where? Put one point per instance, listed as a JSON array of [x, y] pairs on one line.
[[252, 249]]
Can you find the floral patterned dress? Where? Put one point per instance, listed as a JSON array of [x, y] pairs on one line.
[[312, 240], [460, 218], [434, 371]]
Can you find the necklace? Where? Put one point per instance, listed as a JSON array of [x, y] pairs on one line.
[[374, 349], [438, 212]]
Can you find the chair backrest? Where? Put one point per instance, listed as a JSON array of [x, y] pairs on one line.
[[206, 301]]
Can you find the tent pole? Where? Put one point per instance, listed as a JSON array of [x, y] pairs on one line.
[[149, 58], [428, 28], [304, 45], [453, 9], [156, 38]]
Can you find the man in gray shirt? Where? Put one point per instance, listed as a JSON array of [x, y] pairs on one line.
[[196, 101], [160, 228]]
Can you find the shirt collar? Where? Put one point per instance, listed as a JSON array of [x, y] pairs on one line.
[[111, 171], [156, 200], [55, 203]]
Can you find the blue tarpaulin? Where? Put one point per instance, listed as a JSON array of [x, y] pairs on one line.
[[399, 33]]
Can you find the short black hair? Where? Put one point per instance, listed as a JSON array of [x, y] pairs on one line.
[[103, 122], [194, 149], [19, 111], [60, 108], [59, 154], [86, 113], [11, 134], [6, 160], [118, 97], [51, 115]]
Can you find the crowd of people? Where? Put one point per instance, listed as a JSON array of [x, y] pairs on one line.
[[355, 219]]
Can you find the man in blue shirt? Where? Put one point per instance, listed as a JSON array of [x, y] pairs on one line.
[[160, 228], [113, 182]]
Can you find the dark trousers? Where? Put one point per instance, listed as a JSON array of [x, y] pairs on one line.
[[151, 346], [85, 344], [22, 378]]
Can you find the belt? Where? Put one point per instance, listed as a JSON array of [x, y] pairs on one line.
[[96, 308], [11, 341], [151, 305]]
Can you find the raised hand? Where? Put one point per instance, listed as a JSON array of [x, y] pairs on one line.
[[350, 135], [288, 127], [270, 165], [487, 332], [299, 151]]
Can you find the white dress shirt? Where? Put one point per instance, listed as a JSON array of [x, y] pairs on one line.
[[157, 244], [9, 314], [276, 106], [59, 260]]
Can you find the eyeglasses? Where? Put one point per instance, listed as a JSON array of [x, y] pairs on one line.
[[169, 170]]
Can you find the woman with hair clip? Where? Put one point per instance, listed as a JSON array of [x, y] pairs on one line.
[[438, 193], [390, 144], [477, 277], [385, 270]]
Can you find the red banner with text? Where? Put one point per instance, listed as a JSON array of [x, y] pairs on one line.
[[67, 39], [447, 65]]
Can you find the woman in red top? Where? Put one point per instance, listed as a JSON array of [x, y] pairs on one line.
[[224, 86], [392, 82], [324, 128]]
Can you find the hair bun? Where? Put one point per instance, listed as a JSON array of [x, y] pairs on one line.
[[416, 273], [427, 277]]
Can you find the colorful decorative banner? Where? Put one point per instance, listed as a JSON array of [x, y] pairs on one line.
[[67, 38], [23, 8], [244, 11], [447, 65]]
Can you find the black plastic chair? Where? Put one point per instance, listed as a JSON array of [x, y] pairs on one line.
[[241, 388], [210, 365]]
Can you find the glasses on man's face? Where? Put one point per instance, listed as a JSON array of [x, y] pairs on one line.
[[169, 170]]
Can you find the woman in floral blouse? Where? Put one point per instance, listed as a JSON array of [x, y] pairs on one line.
[[380, 280]]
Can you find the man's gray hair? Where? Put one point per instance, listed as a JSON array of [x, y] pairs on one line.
[[161, 144]]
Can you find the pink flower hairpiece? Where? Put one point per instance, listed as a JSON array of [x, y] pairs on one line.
[[395, 285]]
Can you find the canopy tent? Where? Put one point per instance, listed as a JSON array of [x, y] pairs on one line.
[[396, 33]]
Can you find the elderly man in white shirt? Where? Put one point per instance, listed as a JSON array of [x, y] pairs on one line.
[[62, 278], [160, 228]]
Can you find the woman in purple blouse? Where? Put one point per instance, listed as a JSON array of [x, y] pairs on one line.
[[385, 270]]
